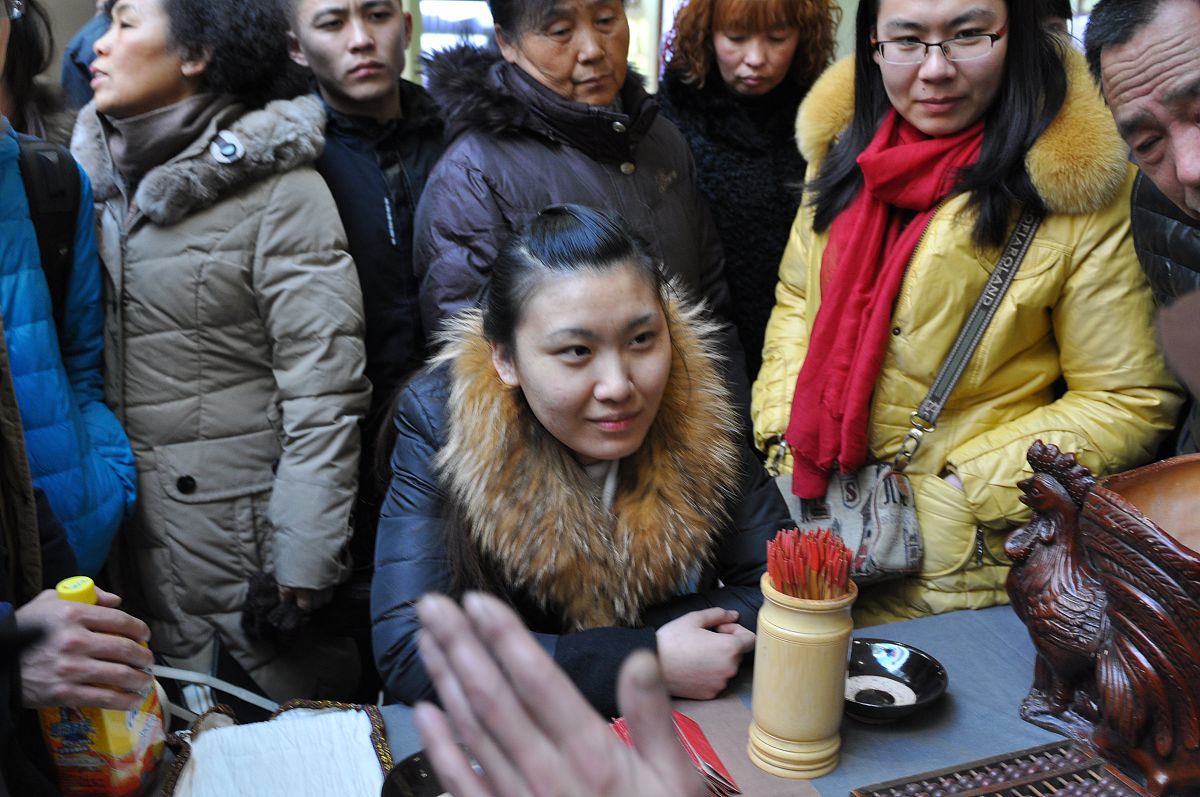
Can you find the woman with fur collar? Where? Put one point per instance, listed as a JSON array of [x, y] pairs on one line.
[[922, 148], [234, 338], [734, 74], [556, 115], [574, 450]]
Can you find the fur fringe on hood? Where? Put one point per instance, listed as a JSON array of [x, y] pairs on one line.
[[1077, 165], [537, 517], [465, 82], [277, 138], [461, 82]]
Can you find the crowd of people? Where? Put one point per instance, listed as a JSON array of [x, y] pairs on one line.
[[292, 344]]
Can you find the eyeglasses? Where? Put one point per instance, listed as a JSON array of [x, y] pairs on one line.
[[15, 9], [907, 52]]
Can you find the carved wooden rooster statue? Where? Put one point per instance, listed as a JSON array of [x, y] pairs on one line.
[[1055, 594]]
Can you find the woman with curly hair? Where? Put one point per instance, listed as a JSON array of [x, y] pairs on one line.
[[234, 337], [734, 74]]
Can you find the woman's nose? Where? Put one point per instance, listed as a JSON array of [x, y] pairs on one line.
[[755, 54], [591, 45], [936, 65], [102, 45], [614, 383]]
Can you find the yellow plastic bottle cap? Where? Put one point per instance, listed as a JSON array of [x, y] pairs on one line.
[[79, 589]]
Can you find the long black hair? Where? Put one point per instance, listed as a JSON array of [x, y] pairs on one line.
[[1031, 93], [30, 51]]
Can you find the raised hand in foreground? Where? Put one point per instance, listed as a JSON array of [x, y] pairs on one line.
[[527, 725]]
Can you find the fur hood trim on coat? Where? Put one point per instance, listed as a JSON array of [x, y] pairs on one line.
[[1077, 165], [277, 138], [536, 516], [472, 86]]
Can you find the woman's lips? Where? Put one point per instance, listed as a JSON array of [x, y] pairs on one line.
[[939, 104], [615, 424]]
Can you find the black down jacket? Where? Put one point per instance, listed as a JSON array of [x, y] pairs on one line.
[[751, 173], [1168, 247]]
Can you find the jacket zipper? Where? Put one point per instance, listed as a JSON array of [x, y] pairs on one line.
[[904, 280]]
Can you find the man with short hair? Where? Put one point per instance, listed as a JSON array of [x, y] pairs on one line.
[[1143, 53], [383, 137]]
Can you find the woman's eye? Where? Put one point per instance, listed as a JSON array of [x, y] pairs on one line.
[[329, 24], [736, 38], [575, 352], [643, 340]]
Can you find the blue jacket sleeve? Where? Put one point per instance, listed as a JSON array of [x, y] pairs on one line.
[[108, 465]]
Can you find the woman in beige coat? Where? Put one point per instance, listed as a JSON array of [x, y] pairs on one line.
[[234, 333]]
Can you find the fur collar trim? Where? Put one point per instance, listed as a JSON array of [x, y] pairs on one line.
[[478, 90], [1077, 165], [277, 138], [539, 520]]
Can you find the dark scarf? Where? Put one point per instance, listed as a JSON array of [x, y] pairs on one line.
[[139, 143], [906, 175]]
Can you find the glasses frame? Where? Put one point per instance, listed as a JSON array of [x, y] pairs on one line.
[[14, 9], [994, 37]]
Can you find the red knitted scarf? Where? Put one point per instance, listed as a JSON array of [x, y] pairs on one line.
[[906, 174]]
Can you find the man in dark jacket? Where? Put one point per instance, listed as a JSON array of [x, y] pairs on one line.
[[383, 137], [1143, 54]]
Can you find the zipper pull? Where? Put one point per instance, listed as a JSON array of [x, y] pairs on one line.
[[776, 463], [391, 219], [978, 547]]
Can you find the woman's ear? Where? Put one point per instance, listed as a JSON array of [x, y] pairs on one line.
[[195, 67], [507, 49], [503, 363]]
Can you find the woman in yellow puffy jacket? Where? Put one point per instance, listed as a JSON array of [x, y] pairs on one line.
[[923, 148]]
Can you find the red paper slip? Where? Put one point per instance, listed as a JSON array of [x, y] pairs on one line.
[[696, 745]]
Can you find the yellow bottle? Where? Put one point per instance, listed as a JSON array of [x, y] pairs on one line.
[[99, 751]]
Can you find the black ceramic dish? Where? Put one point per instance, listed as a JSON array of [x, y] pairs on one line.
[[889, 680]]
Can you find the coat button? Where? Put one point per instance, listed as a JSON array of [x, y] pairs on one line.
[[618, 127], [895, 330], [628, 168], [186, 485]]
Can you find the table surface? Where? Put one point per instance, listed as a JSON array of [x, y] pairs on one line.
[[989, 659]]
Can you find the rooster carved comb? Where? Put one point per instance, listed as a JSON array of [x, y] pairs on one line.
[[1075, 478]]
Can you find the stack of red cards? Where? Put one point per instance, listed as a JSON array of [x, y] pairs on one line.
[[695, 744]]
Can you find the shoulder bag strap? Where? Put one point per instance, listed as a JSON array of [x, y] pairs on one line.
[[924, 419]]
